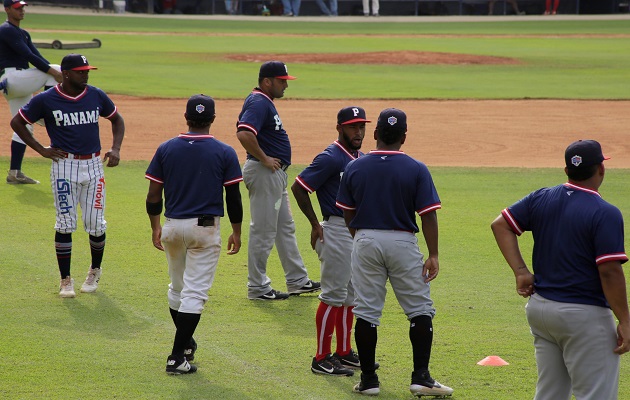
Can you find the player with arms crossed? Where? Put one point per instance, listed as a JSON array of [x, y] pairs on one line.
[[71, 111], [577, 279], [260, 131], [333, 243], [380, 194], [18, 82], [192, 170]]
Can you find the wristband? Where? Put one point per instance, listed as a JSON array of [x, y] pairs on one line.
[[154, 208]]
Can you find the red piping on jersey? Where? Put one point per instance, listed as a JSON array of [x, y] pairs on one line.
[[233, 181], [512, 222], [338, 144], [62, 94], [430, 208], [344, 207], [154, 179], [385, 152], [258, 91], [304, 185], [611, 257], [247, 127], [574, 186], [193, 136]]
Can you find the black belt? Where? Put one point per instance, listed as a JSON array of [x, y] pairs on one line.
[[326, 217], [206, 220], [2, 70], [283, 166]]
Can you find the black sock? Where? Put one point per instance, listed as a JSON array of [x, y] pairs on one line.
[[365, 337], [186, 325], [17, 154], [173, 315], [63, 248], [97, 247], [421, 336]]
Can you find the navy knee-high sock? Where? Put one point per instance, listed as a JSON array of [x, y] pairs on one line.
[[97, 247], [186, 325], [63, 248], [17, 154], [365, 337], [421, 336]]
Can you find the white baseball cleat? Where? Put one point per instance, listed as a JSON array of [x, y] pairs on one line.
[[91, 281], [423, 385], [66, 287]]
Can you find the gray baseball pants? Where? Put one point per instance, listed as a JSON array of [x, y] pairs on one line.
[[379, 255], [574, 350], [271, 222], [334, 255]]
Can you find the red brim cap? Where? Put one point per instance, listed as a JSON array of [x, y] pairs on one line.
[[286, 77], [19, 4], [354, 121], [83, 68]]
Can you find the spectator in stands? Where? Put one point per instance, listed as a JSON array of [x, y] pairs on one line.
[[366, 8], [291, 7], [512, 2], [231, 7], [330, 11], [548, 10]]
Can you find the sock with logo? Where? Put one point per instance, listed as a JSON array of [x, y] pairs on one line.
[[17, 154], [97, 247], [343, 330], [365, 337], [63, 249], [186, 325], [421, 336], [325, 322]]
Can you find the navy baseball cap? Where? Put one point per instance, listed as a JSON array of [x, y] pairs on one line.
[[584, 153], [200, 107], [14, 3], [351, 115], [275, 69], [75, 62], [392, 118]]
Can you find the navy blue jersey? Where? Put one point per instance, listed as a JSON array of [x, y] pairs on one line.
[[324, 174], [385, 188], [574, 230], [71, 122], [17, 49], [193, 169], [259, 115]]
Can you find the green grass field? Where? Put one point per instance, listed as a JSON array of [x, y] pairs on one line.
[[113, 344]]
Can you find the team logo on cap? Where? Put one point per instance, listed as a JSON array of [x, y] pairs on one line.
[[392, 120], [576, 160], [200, 108]]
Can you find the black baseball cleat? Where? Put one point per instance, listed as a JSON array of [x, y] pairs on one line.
[[272, 295], [369, 385], [189, 352], [330, 366], [423, 385], [179, 366], [311, 286], [351, 360]]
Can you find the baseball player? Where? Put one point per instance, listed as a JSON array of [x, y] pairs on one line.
[[260, 131], [577, 279], [192, 170], [379, 194], [333, 243], [71, 111], [18, 82]]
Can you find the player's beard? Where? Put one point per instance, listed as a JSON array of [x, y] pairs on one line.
[[350, 142]]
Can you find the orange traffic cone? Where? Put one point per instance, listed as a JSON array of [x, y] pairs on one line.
[[493, 361]]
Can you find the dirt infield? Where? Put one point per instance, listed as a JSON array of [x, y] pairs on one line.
[[511, 133]]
